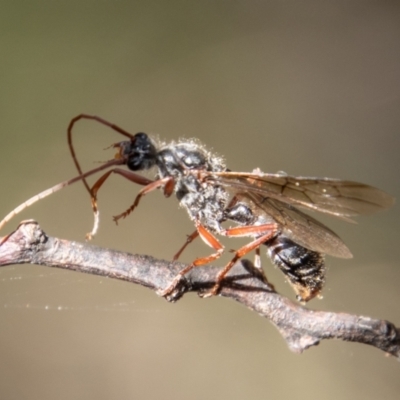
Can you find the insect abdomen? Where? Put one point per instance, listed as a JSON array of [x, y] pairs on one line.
[[304, 268]]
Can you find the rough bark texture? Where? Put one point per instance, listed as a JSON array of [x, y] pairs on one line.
[[300, 327]]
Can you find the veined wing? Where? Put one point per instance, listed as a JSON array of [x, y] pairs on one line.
[[336, 197], [298, 226]]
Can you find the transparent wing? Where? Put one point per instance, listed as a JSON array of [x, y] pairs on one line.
[[298, 226], [331, 196]]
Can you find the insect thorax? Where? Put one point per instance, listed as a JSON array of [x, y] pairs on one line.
[[204, 201]]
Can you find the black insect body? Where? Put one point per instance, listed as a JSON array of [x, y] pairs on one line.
[[304, 268], [197, 177], [262, 206]]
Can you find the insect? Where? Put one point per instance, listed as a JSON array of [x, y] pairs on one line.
[[261, 206]]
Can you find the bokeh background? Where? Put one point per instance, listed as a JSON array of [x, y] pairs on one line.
[[308, 87]]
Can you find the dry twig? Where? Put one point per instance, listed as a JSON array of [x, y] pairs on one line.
[[300, 326]]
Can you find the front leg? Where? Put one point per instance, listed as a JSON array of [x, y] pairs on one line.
[[167, 183]]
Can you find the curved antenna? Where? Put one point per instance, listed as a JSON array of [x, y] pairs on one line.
[[71, 147], [58, 187]]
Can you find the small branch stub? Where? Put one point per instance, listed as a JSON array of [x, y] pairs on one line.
[[299, 326]]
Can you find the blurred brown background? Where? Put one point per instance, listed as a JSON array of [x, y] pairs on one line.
[[308, 87]]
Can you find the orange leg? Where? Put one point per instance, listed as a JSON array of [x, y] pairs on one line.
[[141, 180], [189, 240], [209, 239], [270, 233], [267, 231], [168, 184], [195, 234], [133, 177], [249, 230], [244, 231]]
